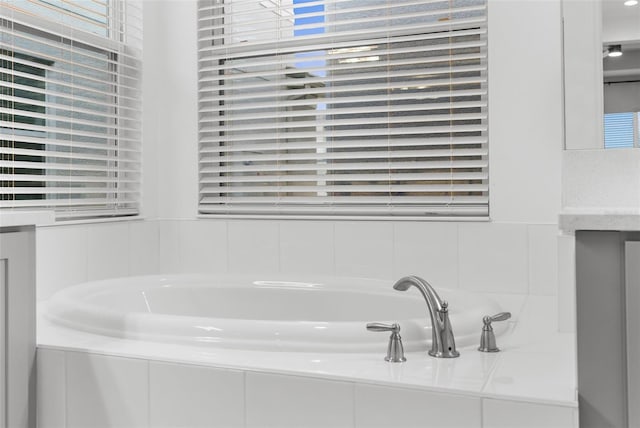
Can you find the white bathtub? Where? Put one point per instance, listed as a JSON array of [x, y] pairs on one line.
[[262, 313]]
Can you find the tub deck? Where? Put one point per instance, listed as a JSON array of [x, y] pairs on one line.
[[537, 363]]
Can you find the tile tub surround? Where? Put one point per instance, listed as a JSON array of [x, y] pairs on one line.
[[490, 257], [530, 383]]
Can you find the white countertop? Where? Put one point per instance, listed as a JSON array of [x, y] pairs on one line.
[[16, 218], [612, 220]]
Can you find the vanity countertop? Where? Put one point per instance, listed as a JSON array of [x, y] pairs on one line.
[[16, 218], [611, 220]]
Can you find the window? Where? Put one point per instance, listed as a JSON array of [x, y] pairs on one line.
[[621, 130], [343, 107], [70, 132]]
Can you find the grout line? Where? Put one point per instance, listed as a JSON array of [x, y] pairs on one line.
[[226, 246], [393, 250], [279, 245], [457, 270], [156, 223], [66, 391], [528, 253], [244, 398], [459, 265], [334, 269], [353, 403], [148, 393]]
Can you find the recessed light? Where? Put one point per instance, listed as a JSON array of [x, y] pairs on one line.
[[614, 51], [631, 2]]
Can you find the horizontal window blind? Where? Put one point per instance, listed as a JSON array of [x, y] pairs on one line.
[[621, 130], [343, 107], [70, 107]]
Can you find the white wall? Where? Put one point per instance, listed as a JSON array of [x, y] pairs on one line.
[[515, 252]]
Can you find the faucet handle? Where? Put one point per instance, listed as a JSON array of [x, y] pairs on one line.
[[395, 351], [488, 337], [502, 316], [378, 326]]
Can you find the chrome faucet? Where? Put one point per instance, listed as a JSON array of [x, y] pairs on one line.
[[443, 344]]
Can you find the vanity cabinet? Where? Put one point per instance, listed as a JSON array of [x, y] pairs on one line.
[[608, 327], [17, 327], [632, 289]]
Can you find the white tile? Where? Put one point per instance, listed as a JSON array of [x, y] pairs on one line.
[[105, 391], [493, 257], [513, 414], [291, 401], [364, 249], [50, 388], [548, 375], [567, 283], [61, 258], [144, 242], [429, 250], [107, 250], [543, 259], [203, 246], [253, 246], [306, 247], [536, 326], [193, 396], [169, 251], [378, 406]]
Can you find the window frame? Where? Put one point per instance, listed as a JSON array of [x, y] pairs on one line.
[[240, 50]]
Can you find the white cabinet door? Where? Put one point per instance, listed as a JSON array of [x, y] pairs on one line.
[[18, 326]]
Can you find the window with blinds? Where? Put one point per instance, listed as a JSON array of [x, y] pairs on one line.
[[70, 107], [343, 107], [621, 130]]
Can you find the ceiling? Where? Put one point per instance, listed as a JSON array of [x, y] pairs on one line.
[[620, 23]]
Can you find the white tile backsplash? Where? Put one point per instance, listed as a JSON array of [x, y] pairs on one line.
[[169, 252], [61, 258], [384, 407], [306, 402], [493, 257], [513, 414], [485, 257], [364, 249], [429, 250], [482, 257], [105, 391], [253, 246], [307, 247], [203, 246], [144, 247], [194, 396], [543, 259], [107, 250]]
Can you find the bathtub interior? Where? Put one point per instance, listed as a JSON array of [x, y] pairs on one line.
[[262, 312]]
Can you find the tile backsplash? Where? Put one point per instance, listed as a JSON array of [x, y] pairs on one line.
[[484, 257]]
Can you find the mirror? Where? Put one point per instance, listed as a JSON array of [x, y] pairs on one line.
[[621, 73], [591, 29]]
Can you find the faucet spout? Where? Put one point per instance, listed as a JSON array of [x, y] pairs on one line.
[[443, 343]]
